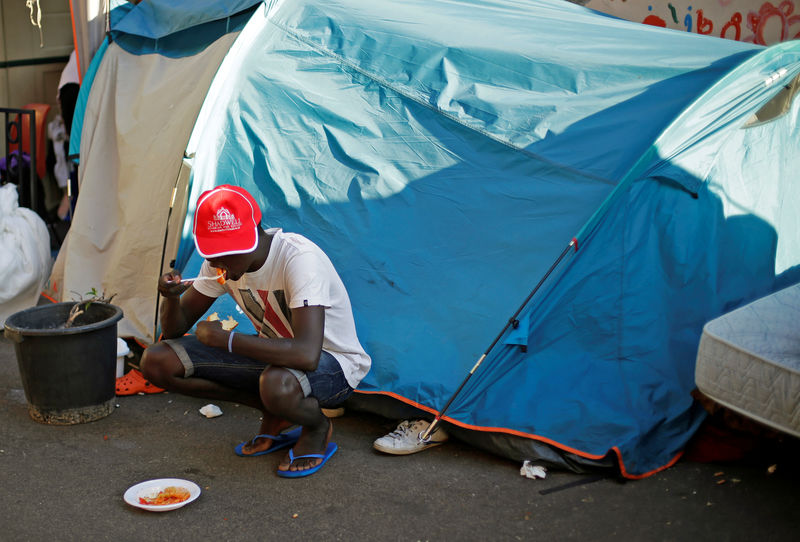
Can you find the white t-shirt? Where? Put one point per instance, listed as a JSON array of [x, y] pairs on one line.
[[297, 273]]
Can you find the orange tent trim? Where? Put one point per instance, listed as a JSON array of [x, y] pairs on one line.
[[539, 438]]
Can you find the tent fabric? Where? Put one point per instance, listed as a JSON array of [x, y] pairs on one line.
[[88, 31], [83, 98], [176, 28], [162, 19], [686, 150], [169, 28], [443, 155], [142, 29], [138, 118]]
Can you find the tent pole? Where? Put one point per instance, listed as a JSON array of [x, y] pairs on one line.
[[426, 435], [163, 254]]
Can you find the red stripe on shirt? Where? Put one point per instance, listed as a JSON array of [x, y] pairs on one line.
[[272, 317]]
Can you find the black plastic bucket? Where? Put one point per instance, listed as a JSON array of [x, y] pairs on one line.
[[68, 373]]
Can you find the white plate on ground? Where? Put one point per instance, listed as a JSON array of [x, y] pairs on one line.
[[153, 487]]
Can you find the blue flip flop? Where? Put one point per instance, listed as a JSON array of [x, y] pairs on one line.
[[280, 441], [329, 451]]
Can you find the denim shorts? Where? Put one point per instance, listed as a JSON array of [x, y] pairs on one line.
[[327, 383]]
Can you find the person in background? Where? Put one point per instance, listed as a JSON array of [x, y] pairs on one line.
[[58, 130]]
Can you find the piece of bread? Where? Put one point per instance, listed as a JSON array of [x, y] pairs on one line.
[[228, 324]]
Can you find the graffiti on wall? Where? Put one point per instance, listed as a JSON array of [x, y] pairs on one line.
[[751, 21]]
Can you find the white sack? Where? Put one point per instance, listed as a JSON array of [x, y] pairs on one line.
[[24, 254]]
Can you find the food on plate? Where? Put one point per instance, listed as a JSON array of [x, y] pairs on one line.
[[169, 495], [228, 324]]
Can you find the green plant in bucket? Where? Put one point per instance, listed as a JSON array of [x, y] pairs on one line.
[[83, 304]]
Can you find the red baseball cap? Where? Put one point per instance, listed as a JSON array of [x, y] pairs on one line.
[[226, 222]]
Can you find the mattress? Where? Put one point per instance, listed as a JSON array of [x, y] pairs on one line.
[[749, 360]]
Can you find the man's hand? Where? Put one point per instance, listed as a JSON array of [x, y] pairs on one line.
[[212, 334], [170, 285]]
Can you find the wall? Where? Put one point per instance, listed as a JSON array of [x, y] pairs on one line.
[[753, 21], [30, 64]]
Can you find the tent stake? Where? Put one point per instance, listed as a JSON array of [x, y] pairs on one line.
[[426, 435]]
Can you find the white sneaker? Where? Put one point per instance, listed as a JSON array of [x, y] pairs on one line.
[[405, 439]]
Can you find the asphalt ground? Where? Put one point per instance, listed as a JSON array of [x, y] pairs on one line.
[[67, 483]]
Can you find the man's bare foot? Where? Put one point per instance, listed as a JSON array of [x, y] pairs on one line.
[[258, 444], [309, 443], [269, 426]]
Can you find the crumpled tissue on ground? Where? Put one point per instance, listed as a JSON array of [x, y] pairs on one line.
[[531, 471], [211, 411]]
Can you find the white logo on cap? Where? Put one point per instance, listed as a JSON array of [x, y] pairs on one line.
[[224, 220]]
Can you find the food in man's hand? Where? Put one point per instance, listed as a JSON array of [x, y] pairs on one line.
[[169, 495], [228, 324]]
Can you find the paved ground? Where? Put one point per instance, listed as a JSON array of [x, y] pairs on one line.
[[66, 483]]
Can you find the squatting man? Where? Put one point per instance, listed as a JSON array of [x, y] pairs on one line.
[[306, 355]]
